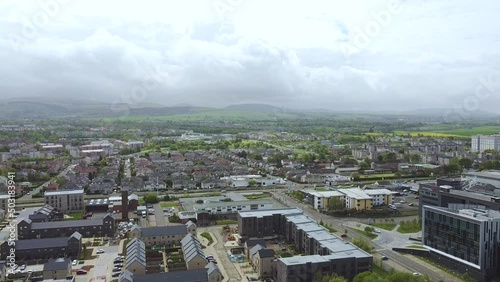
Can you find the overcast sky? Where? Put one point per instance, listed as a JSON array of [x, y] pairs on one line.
[[305, 54]]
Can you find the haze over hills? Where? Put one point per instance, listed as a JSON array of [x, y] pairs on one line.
[[33, 108]]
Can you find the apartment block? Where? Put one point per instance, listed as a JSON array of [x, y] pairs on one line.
[[164, 235], [104, 227], [65, 200], [468, 235], [480, 143], [322, 250]]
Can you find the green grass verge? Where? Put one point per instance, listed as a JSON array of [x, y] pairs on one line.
[[416, 247], [259, 196], [385, 226], [208, 237], [226, 222], [75, 216], [169, 204]]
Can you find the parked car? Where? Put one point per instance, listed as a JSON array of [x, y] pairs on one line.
[[116, 274], [118, 264], [81, 272], [385, 258], [377, 231], [22, 267], [100, 251], [410, 204], [116, 269], [343, 235], [75, 262]]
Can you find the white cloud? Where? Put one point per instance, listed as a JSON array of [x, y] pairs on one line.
[[289, 53]]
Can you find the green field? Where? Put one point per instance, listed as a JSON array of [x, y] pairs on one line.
[[169, 204], [209, 114], [376, 175], [385, 226]]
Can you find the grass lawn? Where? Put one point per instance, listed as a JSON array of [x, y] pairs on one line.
[[226, 222], [169, 204], [208, 237], [377, 175], [409, 228], [385, 226], [258, 196], [416, 247], [75, 216]]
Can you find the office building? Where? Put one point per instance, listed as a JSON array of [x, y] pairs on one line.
[[491, 177], [480, 143], [468, 235], [65, 200]]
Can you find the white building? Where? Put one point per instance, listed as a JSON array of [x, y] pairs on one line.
[[65, 200], [487, 177], [380, 197], [485, 142], [233, 207], [321, 199], [243, 180]]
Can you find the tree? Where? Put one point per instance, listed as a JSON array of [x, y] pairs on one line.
[[252, 182], [355, 176], [364, 165], [465, 163], [151, 198], [335, 204], [363, 244]]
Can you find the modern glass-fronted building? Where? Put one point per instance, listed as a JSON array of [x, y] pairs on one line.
[[467, 234]]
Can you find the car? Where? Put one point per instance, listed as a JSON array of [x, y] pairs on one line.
[[116, 269], [116, 274], [100, 251], [384, 258], [417, 197], [343, 235], [75, 262], [16, 213], [410, 204], [149, 206], [118, 264], [208, 256], [81, 272], [377, 231], [402, 201], [416, 274], [119, 257], [22, 267]]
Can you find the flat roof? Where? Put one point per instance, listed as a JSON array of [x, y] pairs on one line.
[[473, 195], [270, 212], [235, 203], [490, 174], [356, 193], [474, 214], [324, 194], [297, 219], [309, 226], [378, 192], [63, 192], [66, 223]]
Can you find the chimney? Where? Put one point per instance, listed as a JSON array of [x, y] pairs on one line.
[[124, 204]]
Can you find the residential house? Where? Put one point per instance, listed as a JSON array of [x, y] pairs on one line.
[[214, 274], [104, 227], [57, 269], [136, 257], [193, 253], [264, 263], [33, 249], [162, 235]]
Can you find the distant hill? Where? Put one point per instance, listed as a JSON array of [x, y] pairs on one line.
[[258, 108]]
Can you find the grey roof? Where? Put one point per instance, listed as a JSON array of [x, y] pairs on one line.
[[125, 276], [66, 223], [211, 267], [266, 253], [134, 242], [58, 264], [191, 247], [136, 252], [33, 244], [63, 192], [270, 212], [252, 242], [163, 230], [196, 275], [255, 249], [190, 223]]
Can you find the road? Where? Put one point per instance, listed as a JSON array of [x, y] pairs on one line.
[[36, 190], [334, 223]]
